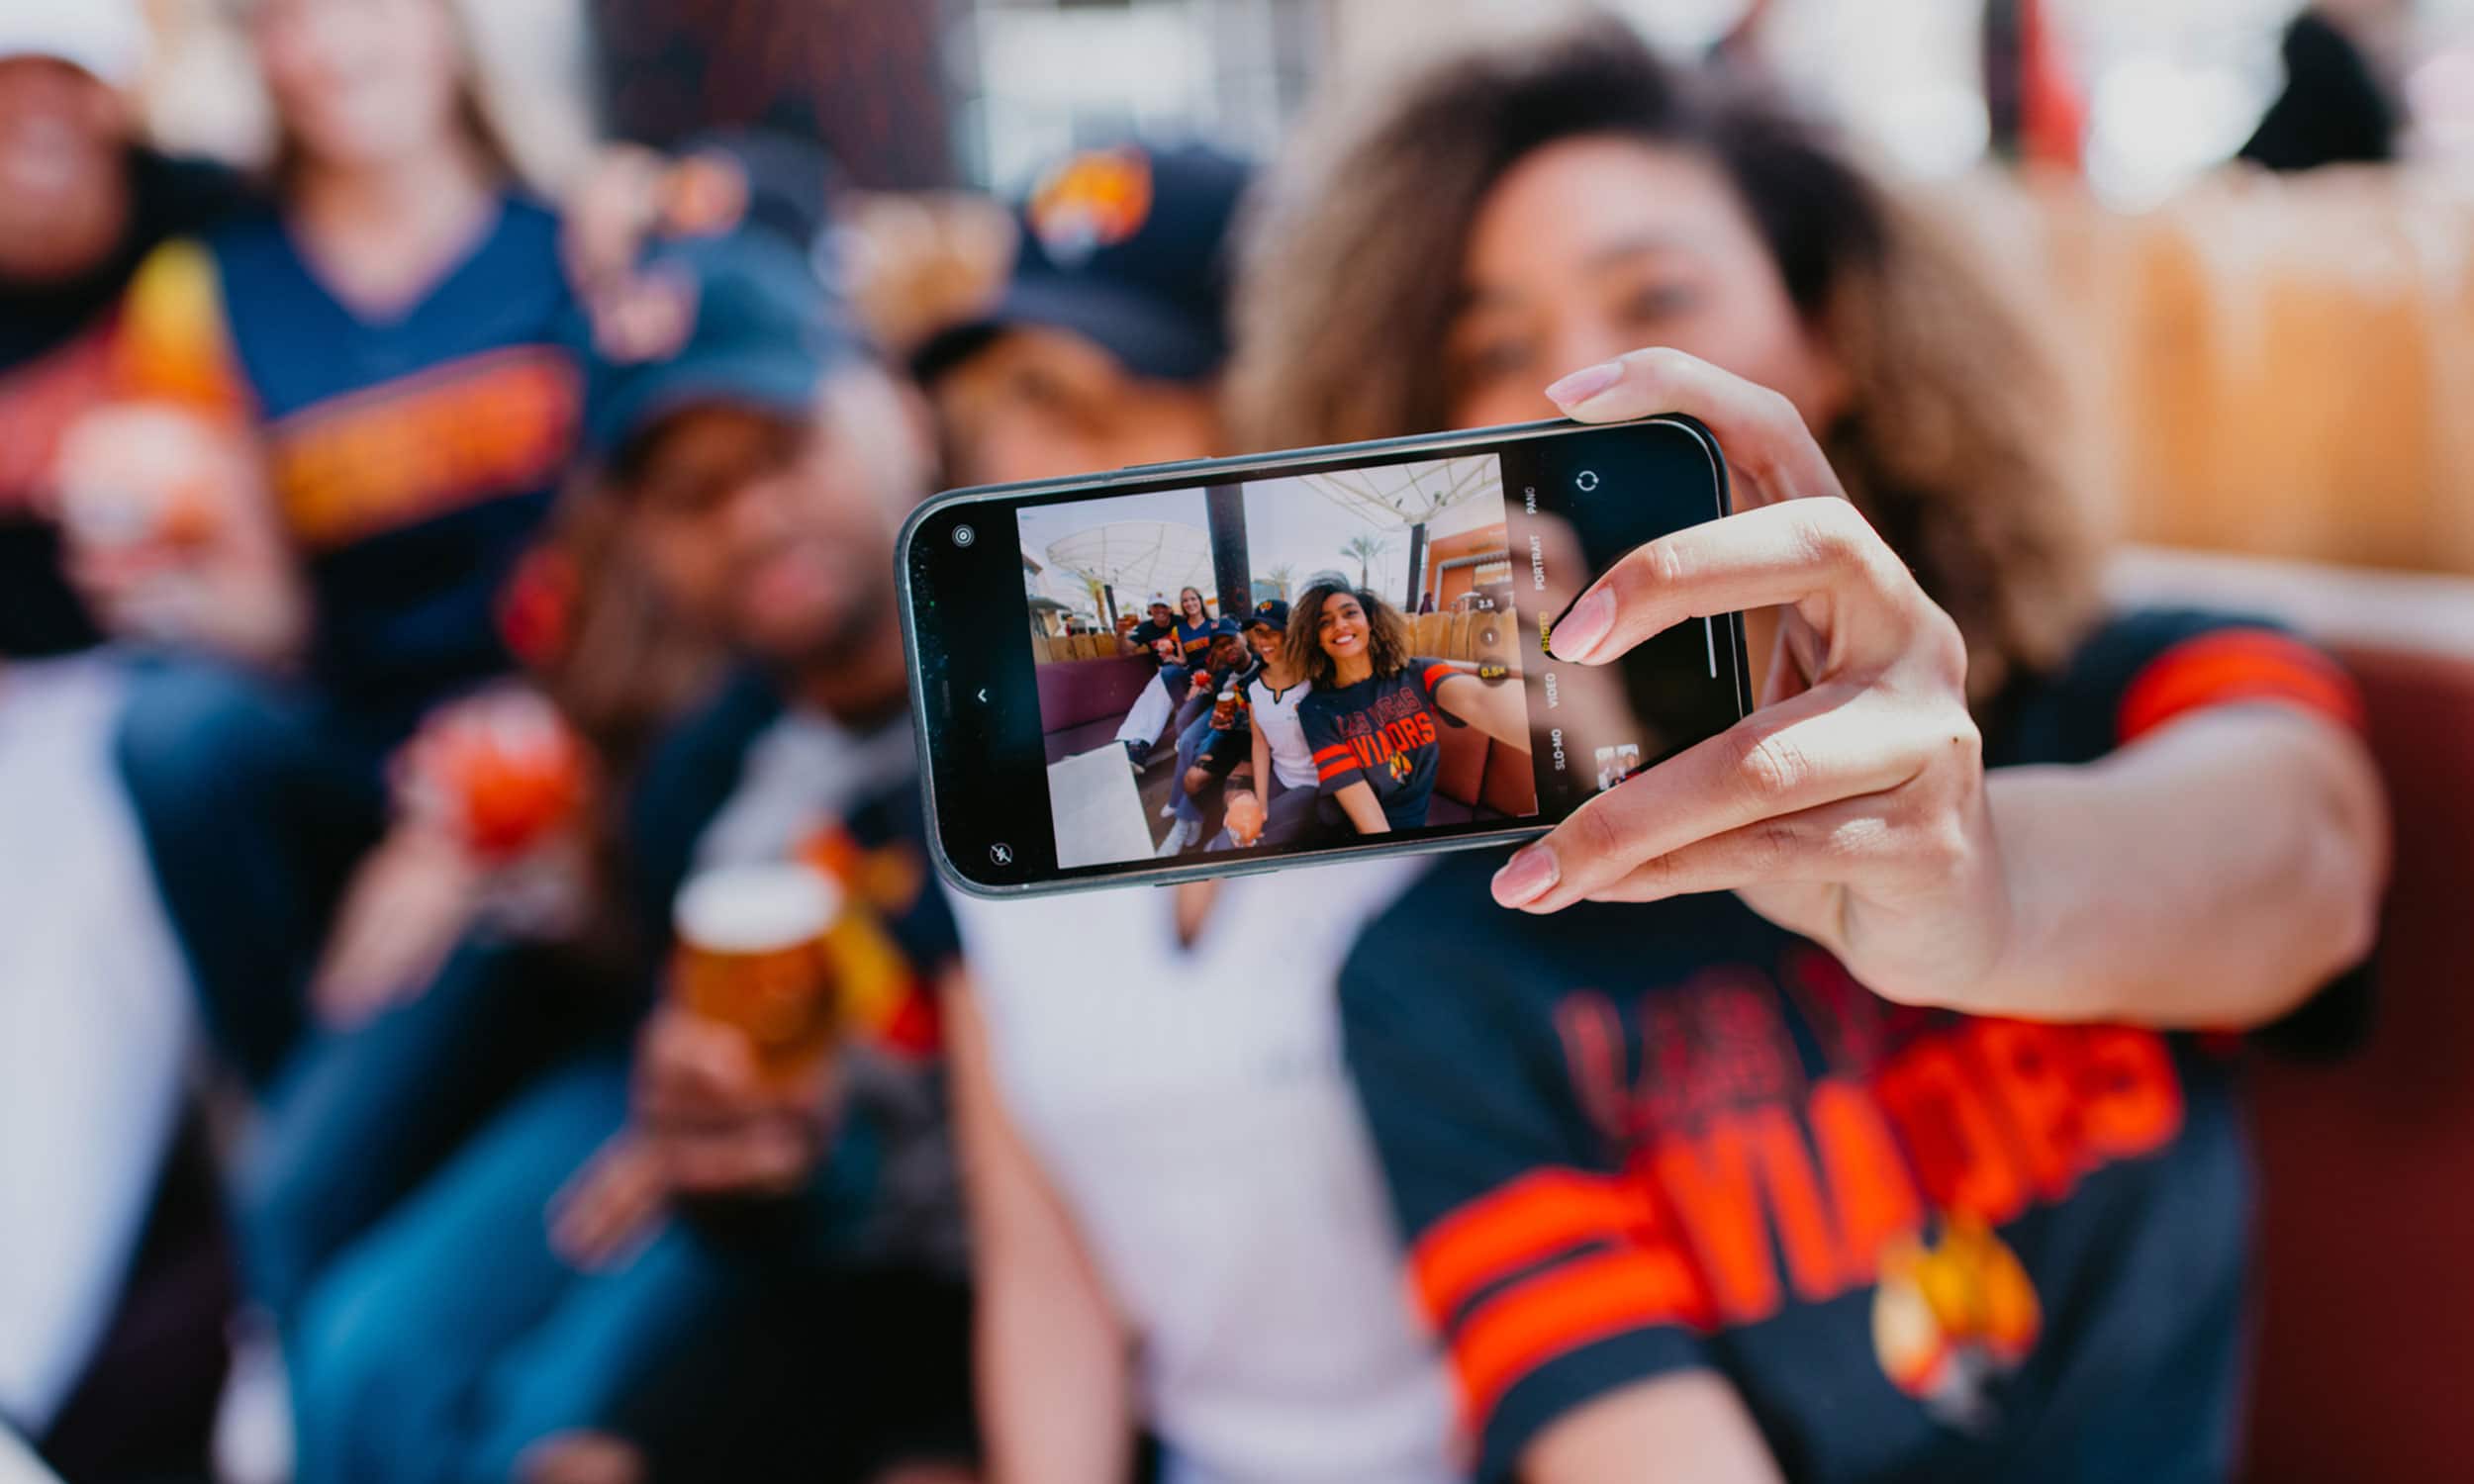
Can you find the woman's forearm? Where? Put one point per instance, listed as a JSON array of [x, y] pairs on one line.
[[1498, 710], [1364, 810], [1051, 1357], [2214, 875]]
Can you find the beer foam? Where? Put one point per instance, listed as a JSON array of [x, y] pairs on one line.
[[756, 908]]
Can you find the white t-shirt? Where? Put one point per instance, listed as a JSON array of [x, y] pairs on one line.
[[1292, 762], [95, 1027], [1191, 1107]]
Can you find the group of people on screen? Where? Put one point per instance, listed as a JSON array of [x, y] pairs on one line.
[[1312, 721]]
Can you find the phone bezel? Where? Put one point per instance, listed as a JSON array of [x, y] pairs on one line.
[[925, 725]]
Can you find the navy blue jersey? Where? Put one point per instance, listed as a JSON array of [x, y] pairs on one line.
[[1631, 1140], [1381, 732], [1194, 639], [412, 457]]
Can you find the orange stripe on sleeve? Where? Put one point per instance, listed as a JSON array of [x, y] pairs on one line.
[[2231, 667], [1498, 1234], [1437, 674], [1335, 769], [1337, 749], [1561, 1310]]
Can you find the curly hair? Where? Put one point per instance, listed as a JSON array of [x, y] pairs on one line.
[[1387, 640], [1352, 266]]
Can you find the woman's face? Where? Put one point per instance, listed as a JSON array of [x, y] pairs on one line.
[[1341, 628], [1190, 602], [1266, 642], [1594, 247], [361, 83]]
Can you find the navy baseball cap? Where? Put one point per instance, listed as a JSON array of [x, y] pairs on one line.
[[758, 331], [1128, 248], [1270, 612]]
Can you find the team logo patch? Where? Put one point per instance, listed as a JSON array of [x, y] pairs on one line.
[[1092, 201], [1950, 1319]]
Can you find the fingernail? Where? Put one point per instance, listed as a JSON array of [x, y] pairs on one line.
[[1586, 383], [1528, 876], [1579, 631]]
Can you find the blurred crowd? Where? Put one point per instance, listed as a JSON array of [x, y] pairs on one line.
[[448, 662]]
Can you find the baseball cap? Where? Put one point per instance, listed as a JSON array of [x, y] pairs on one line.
[[760, 331], [1127, 246], [104, 38], [1270, 612]]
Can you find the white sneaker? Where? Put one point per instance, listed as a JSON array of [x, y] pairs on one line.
[[1183, 833], [1167, 811]]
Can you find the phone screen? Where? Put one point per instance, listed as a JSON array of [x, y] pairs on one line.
[[1266, 661]]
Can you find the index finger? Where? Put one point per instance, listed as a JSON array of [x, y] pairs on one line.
[[1821, 555], [1770, 454]]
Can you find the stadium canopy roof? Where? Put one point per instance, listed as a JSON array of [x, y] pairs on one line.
[[1138, 558], [1404, 495]]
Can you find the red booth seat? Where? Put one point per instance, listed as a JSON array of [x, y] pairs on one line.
[[1481, 778], [1083, 701], [2366, 1201]]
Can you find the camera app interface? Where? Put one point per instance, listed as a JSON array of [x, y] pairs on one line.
[[1279, 663]]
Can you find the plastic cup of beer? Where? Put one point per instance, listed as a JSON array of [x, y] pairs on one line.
[[1245, 818], [752, 953], [1225, 711]]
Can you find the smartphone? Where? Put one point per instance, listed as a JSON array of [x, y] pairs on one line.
[[1072, 734]]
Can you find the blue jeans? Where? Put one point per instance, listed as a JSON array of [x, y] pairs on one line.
[[359, 1118], [451, 1337], [256, 802], [1193, 742], [734, 1345]]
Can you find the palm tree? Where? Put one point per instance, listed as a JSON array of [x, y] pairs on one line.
[[1364, 548], [1282, 577]]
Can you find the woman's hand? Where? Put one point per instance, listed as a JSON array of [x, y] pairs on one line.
[[1850, 806], [172, 534]]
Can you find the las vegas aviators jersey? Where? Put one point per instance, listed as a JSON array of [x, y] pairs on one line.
[[411, 457], [1626, 1141], [1381, 732]]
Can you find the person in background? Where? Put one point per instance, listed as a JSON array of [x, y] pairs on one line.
[[389, 330], [703, 1261], [1209, 745], [95, 1026], [1178, 1230], [1105, 348], [1283, 783], [2335, 110], [1170, 708], [1159, 622], [1371, 722], [1822, 1102]]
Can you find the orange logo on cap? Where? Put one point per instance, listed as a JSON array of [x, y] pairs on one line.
[[1093, 200]]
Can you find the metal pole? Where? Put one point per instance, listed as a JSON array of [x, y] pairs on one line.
[[1231, 571]]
